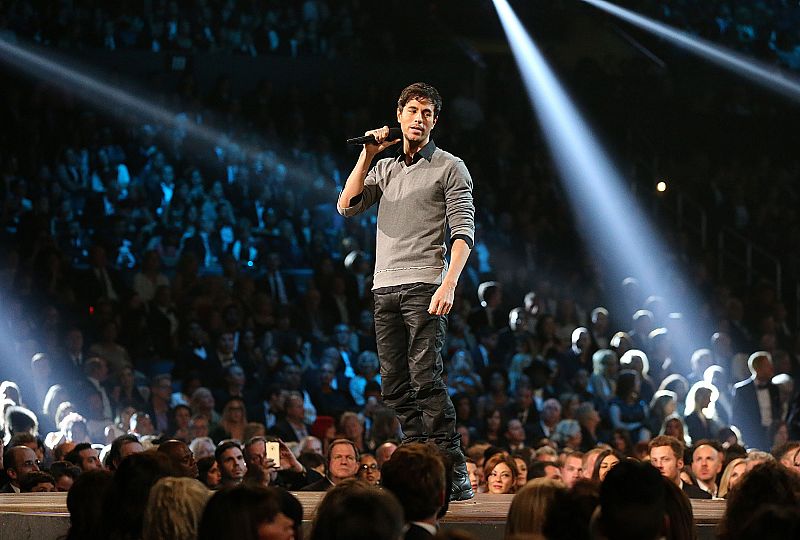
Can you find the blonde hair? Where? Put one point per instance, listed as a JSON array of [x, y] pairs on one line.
[[174, 508], [726, 477], [528, 511]]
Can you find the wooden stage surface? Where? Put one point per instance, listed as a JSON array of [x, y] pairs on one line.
[[44, 515]]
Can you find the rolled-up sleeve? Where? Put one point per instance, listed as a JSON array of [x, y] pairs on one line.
[[460, 207]]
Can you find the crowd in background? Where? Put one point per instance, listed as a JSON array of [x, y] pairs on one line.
[[201, 305]]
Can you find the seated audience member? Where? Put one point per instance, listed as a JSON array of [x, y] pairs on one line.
[[37, 482], [570, 513], [707, 458], [606, 460], [772, 521], [309, 444], [124, 505], [313, 462], [31, 441], [173, 509], [85, 457], [528, 511], [786, 453], [64, 473], [379, 515], [342, 464], [122, 447], [368, 470], [233, 422], [572, 468], [501, 473], [666, 455], [416, 476], [544, 469], [384, 452], [474, 474], [183, 462], [19, 461], [245, 512], [202, 447], [208, 472], [632, 503], [731, 476], [589, 459], [769, 484], [230, 460], [85, 505], [522, 469]]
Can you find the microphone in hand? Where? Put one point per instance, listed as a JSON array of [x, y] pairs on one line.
[[394, 134]]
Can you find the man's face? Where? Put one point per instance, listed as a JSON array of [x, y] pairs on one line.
[[663, 459], [90, 460], [129, 449], [706, 463], [233, 466], [525, 398], [25, 458], [343, 462], [572, 470], [294, 409], [74, 341], [64, 483], [552, 472], [256, 454], [516, 433], [183, 458], [416, 120], [162, 388]]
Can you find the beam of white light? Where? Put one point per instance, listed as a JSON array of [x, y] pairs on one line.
[[754, 70], [609, 216], [108, 97]]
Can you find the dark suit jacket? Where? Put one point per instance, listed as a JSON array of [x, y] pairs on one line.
[[694, 492], [746, 415], [7, 488], [698, 430], [283, 429], [415, 532]]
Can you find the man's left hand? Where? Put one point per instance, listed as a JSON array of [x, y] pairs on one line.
[[442, 301]]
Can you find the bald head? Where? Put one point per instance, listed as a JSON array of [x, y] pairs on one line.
[[181, 457], [19, 462], [384, 452]]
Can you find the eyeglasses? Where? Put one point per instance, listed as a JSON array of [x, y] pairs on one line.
[[32, 463], [370, 467]]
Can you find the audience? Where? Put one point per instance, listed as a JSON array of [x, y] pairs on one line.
[[162, 294]]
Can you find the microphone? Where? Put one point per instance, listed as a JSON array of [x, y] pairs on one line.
[[394, 134]]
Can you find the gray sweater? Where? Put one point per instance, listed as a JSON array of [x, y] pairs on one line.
[[417, 202]]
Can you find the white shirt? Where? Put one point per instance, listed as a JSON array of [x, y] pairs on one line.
[[764, 404]]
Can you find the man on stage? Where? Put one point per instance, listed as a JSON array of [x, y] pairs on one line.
[[421, 192]]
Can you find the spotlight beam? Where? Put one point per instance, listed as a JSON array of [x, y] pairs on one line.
[[615, 228], [758, 72], [108, 97]]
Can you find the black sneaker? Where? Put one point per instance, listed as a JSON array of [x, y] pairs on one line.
[[460, 487]]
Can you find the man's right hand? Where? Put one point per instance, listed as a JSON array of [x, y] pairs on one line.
[[380, 137]]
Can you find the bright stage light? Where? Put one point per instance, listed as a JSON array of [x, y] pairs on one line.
[[661, 187], [759, 72], [614, 227], [104, 96]]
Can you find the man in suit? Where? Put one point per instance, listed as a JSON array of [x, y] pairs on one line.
[[666, 455], [292, 427], [756, 402], [415, 474], [342, 463]]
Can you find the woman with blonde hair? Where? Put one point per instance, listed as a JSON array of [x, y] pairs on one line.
[[528, 511], [731, 476], [174, 508]]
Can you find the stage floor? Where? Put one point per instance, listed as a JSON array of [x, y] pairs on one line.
[[44, 516]]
